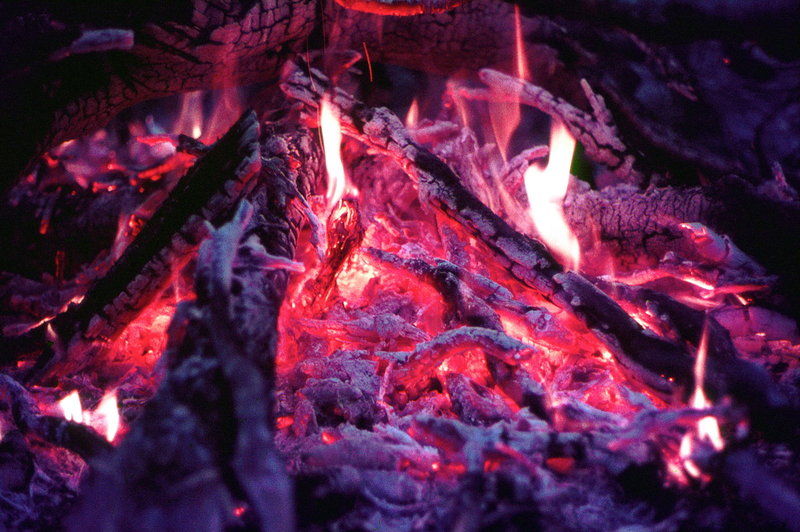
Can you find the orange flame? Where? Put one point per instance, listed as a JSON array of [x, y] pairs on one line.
[[227, 108], [227, 105], [413, 114], [105, 418], [107, 414], [522, 58], [331, 143], [546, 189], [505, 116], [190, 116], [707, 428]]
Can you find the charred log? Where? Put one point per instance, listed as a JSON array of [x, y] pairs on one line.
[[206, 193], [207, 435]]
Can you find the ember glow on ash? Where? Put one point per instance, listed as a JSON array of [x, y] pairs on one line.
[[546, 189], [411, 331]]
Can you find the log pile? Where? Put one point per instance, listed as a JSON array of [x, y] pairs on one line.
[[412, 355]]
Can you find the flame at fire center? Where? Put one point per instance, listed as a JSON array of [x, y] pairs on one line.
[[546, 189], [331, 142]]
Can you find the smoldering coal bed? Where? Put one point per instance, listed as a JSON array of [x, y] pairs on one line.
[[321, 313]]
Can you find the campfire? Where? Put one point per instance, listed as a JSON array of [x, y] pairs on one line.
[[508, 300]]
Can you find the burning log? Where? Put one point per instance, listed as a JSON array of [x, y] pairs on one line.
[[207, 435], [129, 55], [436, 364], [206, 193], [654, 360]]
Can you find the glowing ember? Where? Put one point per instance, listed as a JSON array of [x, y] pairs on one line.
[[331, 142], [546, 190], [71, 407]]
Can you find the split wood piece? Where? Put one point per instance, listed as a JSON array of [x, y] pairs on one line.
[[207, 193], [596, 132], [79, 439], [632, 221], [194, 45], [205, 440], [648, 358]]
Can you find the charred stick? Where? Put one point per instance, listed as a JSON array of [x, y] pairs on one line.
[[547, 330], [632, 221], [470, 309], [205, 194], [726, 372], [473, 403], [426, 356]]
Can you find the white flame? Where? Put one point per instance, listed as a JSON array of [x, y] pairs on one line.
[[71, 407], [546, 191], [332, 142], [105, 418], [707, 427], [107, 414]]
